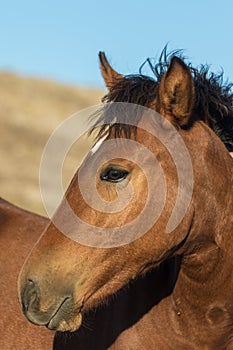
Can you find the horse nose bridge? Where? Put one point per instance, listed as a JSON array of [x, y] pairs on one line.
[[49, 265], [43, 273]]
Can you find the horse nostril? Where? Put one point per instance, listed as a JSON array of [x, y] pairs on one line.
[[30, 295]]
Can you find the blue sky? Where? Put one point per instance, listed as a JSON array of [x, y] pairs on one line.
[[61, 39]]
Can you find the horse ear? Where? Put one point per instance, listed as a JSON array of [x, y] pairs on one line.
[[176, 92], [108, 73]]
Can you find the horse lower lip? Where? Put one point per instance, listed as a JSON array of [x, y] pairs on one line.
[[57, 316], [61, 321], [53, 324], [60, 324]]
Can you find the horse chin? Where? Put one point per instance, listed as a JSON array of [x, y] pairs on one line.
[[70, 325]]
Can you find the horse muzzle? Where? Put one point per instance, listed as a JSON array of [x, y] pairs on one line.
[[61, 315]]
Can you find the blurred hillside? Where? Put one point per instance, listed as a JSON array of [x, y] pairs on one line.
[[30, 109]]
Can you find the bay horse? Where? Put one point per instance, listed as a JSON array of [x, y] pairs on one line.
[[162, 290], [19, 231]]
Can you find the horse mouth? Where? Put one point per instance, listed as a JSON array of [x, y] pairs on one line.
[[61, 313], [66, 318]]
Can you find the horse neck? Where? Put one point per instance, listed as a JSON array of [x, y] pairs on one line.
[[208, 252]]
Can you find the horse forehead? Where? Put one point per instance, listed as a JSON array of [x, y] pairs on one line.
[[114, 148], [98, 144], [110, 149]]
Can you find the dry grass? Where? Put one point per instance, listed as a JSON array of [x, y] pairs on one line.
[[30, 109]]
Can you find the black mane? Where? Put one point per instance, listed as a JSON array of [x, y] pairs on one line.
[[213, 97]]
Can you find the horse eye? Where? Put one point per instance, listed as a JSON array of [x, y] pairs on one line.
[[113, 175]]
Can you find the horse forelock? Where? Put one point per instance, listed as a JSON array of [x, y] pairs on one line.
[[213, 98]]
